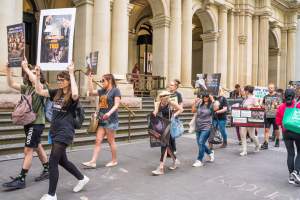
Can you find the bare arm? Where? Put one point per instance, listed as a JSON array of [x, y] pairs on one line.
[[116, 106], [11, 83], [31, 76], [177, 107], [156, 107], [74, 88], [38, 86], [92, 91]]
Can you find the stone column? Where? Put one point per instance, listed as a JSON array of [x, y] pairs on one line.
[[283, 59], [222, 45], [236, 48], [11, 13], [132, 51], [174, 69], [186, 43], [242, 38], [255, 52], [274, 55], [210, 52], [83, 37], [248, 48], [101, 35], [263, 45], [291, 45], [231, 51], [161, 25], [119, 40]]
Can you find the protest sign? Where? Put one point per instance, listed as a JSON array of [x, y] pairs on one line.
[[209, 83], [16, 44], [244, 117], [92, 62], [260, 92]]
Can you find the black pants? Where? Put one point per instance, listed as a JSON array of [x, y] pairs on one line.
[[291, 139], [59, 156], [173, 144]]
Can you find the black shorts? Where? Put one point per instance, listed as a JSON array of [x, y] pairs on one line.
[[33, 134], [269, 122]]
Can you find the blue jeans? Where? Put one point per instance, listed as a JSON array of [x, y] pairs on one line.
[[221, 123], [202, 137]]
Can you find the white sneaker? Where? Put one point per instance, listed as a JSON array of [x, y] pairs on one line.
[[198, 163], [111, 164], [89, 164], [81, 184], [211, 156], [257, 148], [158, 171], [175, 165], [49, 197], [243, 153]]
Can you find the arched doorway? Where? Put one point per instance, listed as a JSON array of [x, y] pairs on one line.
[[274, 58]]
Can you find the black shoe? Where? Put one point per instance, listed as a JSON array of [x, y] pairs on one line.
[[296, 176], [44, 175], [264, 146], [16, 183], [277, 143]]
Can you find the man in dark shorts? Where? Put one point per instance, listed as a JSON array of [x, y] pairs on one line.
[[270, 102]]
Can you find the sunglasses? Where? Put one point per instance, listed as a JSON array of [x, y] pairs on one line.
[[60, 80], [102, 81]]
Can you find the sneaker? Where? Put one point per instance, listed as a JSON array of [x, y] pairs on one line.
[[276, 143], [175, 152], [296, 176], [89, 164], [291, 180], [198, 163], [111, 164], [16, 183], [257, 148], [243, 153], [264, 146], [211, 156], [81, 183], [158, 171], [49, 197], [175, 165], [44, 175]]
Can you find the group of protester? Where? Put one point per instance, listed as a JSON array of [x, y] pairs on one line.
[[209, 112]]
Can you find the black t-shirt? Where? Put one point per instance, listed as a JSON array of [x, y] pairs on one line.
[[223, 103], [62, 124]]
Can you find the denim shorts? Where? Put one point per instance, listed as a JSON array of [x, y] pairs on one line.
[[113, 126]]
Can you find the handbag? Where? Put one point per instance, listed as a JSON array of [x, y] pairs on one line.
[[192, 124], [176, 128], [93, 123], [291, 119], [215, 136]]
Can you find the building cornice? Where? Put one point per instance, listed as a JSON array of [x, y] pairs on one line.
[[160, 21], [209, 37]]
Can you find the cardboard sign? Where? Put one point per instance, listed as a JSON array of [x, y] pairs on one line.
[[260, 92], [55, 39], [209, 83], [92, 62], [16, 44], [244, 117]]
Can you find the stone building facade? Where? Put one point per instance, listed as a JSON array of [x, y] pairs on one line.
[[248, 41]]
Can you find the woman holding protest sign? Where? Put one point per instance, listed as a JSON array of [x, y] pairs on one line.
[[109, 101], [33, 129], [249, 102], [291, 136], [65, 101], [167, 109]]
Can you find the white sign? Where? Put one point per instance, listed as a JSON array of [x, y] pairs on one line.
[[55, 39]]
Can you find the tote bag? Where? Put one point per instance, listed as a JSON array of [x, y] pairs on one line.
[[291, 119]]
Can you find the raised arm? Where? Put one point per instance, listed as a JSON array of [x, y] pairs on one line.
[[74, 87], [39, 89], [11, 83], [92, 91], [31, 76]]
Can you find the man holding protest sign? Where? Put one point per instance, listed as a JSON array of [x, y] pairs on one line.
[[270, 102]]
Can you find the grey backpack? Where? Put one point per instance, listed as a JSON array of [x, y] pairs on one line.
[[23, 113]]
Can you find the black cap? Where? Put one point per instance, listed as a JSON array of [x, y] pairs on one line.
[[289, 93]]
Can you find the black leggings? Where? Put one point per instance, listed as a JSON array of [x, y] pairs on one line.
[[290, 139], [59, 156], [169, 150]]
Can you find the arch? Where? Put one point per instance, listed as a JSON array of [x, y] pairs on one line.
[[273, 40], [159, 7], [206, 16]]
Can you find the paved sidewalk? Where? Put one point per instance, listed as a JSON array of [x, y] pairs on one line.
[[260, 176]]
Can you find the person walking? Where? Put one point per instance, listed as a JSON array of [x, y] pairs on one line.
[[270, 102], [65, 100], [33, 131], [167, 109], [176, 97], [204, 113], [290, 138], [237, 94], [109, 101], [249, 102]]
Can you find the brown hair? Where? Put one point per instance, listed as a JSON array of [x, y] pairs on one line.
[[67, 97], [110, 77], [177, 82], [249, 88]]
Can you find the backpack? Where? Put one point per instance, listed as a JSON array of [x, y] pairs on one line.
[[23, 113], [78, 116]]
